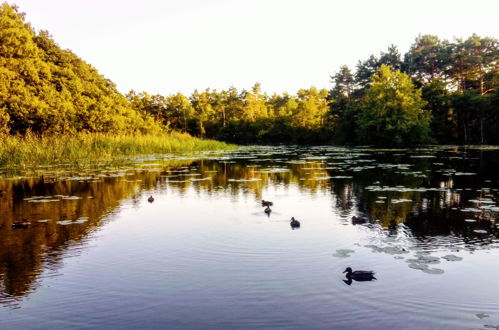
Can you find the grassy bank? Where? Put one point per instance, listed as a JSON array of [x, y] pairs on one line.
[[31, 150]]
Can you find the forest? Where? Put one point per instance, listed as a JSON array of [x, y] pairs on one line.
[[440, 91]]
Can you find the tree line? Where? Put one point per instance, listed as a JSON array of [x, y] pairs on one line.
[[440, 91]]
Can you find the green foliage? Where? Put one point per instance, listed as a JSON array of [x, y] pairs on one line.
[[459, 82], [392, 111], [30, 150], [46, 89]]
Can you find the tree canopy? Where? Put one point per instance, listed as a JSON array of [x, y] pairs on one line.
[[46, 89], [392, 111]]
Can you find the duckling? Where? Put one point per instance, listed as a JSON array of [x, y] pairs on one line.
[[24, 223], [150, 199], [267, 203], [267, 210], [359, 275], [359, 220], [294, 223]]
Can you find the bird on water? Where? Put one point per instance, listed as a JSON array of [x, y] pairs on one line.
[[359, 275], [294, 223], [267, 203]]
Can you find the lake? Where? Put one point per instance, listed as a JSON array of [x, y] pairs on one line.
[[204, 255]]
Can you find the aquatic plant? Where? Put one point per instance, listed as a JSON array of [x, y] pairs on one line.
[[30, 150]]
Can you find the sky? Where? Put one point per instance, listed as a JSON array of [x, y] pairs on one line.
[[165, 46]]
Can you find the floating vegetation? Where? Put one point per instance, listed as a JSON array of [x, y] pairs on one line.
[[387, 249], [482, 315], [482, 201], [472, 210], [319, 178], [201, 179], [343, 253], [434, 271], [425, 259], [424, 156], [480, 231], [65, 222], [470, 220], [418, 266], [43, 200], [72, 197], [402, 189], [402, 200], [451, 257], [244, 180]]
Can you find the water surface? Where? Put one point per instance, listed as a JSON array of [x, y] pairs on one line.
[[204, 255]]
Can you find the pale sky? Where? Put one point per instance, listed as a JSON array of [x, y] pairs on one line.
[[177, 46]]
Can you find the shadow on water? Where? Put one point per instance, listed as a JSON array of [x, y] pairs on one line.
[[440, 196]]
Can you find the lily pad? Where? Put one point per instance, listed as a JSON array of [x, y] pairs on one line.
[[343, 253], [481, 315], [434, 271], [480, 231], [451, 257], [415, 265], [65, 222], [71, 197]]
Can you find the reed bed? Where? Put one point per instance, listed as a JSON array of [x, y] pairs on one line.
[[31, 150]]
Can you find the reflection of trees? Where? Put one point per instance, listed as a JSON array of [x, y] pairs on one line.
[[24, 254]]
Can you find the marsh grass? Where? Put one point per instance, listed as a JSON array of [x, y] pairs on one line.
[[30, 151]]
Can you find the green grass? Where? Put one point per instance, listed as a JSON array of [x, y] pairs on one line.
[[30, 151]]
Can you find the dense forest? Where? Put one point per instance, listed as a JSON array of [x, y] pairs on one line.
[[440, 91], [45, 89]]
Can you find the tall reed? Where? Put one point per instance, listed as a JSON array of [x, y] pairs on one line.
[[31, 150]]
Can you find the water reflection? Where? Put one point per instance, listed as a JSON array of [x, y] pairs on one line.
[[427, 198]]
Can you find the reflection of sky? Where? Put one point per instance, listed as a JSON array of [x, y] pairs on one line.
[[205, 254]]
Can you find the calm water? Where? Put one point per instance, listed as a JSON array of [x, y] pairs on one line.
[[204, 255]]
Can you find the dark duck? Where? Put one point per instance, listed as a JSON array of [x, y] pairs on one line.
[[24, 223], [358, 275], [294, 223], [267, 203]]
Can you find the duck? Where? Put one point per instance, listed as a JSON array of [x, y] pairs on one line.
[[24, 223], [150, 199], [359, 220], [267, 210], [359, 275], [294, 223], [267, 203]]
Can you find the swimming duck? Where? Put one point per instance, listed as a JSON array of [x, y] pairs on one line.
[[150, 199], [359, 275], [267, 210], [359, 220], [24, 223], [294, 223], [267, 203]]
